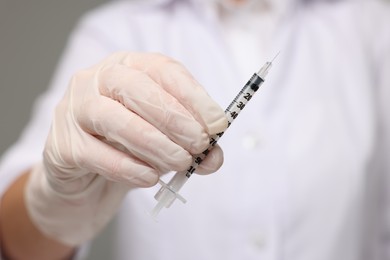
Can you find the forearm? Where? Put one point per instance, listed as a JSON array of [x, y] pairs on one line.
[[20, 239]]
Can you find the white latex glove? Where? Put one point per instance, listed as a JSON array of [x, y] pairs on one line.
[[120, 125]]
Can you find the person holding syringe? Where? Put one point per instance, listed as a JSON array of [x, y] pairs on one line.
[[305, 173]]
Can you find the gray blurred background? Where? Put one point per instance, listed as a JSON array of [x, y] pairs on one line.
[[33, 35]]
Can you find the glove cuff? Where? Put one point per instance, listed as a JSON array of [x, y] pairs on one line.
[[71, 218]]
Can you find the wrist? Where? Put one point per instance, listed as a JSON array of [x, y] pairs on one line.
[[71, 218]]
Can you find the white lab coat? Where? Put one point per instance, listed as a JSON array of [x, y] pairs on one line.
[[306, 170]]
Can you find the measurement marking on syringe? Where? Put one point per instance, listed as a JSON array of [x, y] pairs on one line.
[[169, 192]]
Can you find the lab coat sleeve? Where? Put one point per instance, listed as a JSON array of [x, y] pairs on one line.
[[381, 39], [88, 44], [384, 96]]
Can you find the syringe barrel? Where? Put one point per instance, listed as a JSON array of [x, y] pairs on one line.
[[168, 193], [178, 181]]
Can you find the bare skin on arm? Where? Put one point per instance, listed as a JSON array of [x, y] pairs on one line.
[[20, 239]]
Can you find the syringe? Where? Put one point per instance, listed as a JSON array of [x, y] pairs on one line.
[[168, 193]]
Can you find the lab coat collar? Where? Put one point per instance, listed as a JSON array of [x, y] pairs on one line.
[[283, 8], [200, 2], [163, 2], [284, 5]]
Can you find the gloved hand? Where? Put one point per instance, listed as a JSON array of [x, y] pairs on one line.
[[120, 125]]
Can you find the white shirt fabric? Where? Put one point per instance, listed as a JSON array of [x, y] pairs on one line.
[[306, 172]]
